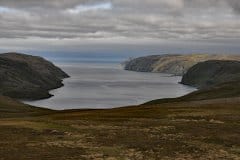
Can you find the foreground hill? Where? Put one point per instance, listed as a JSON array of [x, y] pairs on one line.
[[28, 77], [200, 130], [172, 64], [10, 108]]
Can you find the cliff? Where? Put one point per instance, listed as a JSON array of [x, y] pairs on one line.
[[172, 64], [28, 77]]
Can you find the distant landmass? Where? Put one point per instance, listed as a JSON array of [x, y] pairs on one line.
[[28, 77], [173, 64]]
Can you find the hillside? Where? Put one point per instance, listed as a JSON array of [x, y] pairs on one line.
[[207, 129], [172, 64], [211, 73], [197, 126], [202, 125], [215, 79], [11, 108], [28, 77]]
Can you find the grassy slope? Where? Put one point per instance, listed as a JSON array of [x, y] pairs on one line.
[[206, 129], [10, 108]]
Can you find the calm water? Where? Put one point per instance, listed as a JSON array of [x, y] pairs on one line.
[[107, 85]]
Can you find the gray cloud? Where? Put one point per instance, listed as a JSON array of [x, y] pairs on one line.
[[235, 4], [144, 21]]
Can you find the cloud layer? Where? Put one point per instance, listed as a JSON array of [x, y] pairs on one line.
[[120, 21]]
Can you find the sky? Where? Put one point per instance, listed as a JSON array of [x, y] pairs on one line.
[[120, 27]]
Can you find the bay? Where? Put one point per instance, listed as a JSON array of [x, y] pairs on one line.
[[104, 84]]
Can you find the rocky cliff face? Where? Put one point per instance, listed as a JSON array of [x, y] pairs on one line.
[[142, 64], [172, 64], [28, 77]]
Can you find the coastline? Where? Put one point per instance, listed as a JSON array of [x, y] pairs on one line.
[[172, 128], [87, 88]]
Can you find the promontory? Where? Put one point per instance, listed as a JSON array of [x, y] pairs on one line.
[[177, 64], [28, 77]]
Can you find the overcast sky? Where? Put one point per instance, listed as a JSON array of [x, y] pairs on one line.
[[120, 26]]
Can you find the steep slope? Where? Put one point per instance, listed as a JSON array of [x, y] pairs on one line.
[[210, 73], [28, 77], [172, 64], [215, 79], [142, 64]]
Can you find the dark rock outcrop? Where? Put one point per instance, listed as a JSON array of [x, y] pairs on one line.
[[172, 64], [28, 77]]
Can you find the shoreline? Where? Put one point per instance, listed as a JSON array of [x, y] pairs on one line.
[[50, 103]]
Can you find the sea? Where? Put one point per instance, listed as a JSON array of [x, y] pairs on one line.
[[102, 83]]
